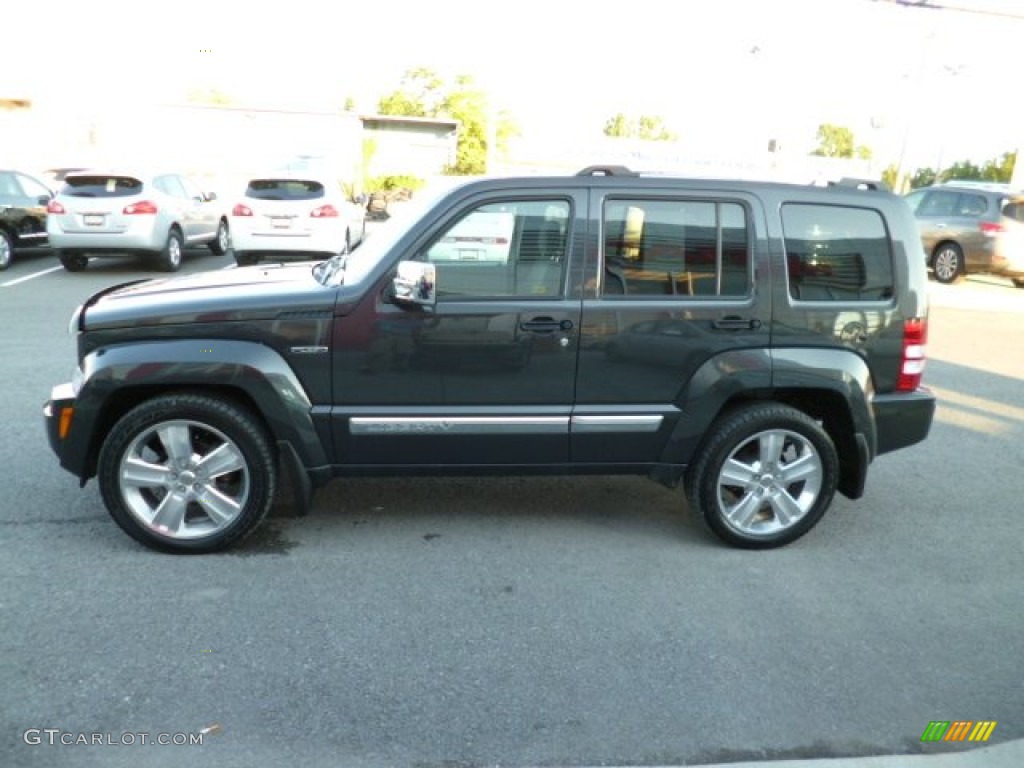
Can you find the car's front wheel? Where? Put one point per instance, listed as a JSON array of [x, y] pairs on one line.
[[948, 263], [73, 262], [764, 477], [187, 473], [220, 244], [6, 250]]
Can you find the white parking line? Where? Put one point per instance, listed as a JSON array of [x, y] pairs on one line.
[[29, 277]]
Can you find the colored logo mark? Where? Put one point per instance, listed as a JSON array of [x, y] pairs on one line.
[[958, 730]]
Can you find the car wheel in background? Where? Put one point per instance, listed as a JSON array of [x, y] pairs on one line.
[[6, 250], [170, 257], [764, 477], [73, 262], [187, 473], [222, 241], [948, 263]]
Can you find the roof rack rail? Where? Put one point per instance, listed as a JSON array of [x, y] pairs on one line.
[[849, 181], [607, 170]]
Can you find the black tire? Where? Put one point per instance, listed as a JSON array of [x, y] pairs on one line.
[[244, 259], [1018, 281], [750, 505], [220, 244], [73, 262], [170, 257], [210, 507], [948, 264], [6, 250]]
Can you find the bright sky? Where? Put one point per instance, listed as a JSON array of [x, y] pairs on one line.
[[720, 72]]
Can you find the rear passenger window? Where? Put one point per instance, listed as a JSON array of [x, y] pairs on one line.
[[675, 248], [837, 253]]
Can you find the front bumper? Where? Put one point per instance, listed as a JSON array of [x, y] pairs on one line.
[[902, 419], [58, 414]]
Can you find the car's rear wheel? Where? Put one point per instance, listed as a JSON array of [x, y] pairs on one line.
[[222, 241], [764, 477], [73, 262], [948, 263], [187, 473], [6, 250], [170, 257]]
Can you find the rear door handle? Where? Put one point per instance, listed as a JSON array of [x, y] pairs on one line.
[[545, 325], [736, 324]]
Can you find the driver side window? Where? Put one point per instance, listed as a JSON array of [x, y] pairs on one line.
[[512, 248]]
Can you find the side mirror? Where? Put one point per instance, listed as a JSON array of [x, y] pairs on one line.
[[415, 284]]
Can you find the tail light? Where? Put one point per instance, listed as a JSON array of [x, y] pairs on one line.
[[141, 207], [241, 210], [324, 212], [912, 357], [991, 228], [54, 207]]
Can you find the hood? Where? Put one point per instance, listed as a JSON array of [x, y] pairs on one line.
[[227, 295]]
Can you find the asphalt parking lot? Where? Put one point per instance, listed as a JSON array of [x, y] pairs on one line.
[[541, 621]]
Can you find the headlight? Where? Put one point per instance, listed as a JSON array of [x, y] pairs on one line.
[[73, 322]]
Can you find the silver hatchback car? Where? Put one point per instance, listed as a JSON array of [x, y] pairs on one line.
[[157, 215], [969, 227]]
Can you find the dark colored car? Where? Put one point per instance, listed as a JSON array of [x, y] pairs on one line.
[[971, 227], [759, 344], [23, 201]]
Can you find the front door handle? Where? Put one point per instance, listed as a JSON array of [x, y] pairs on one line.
[[734, 323], [545, 325]]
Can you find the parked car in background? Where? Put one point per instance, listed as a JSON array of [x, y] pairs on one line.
[[969, 227], [284, 216], [156, 215], [23, 201]]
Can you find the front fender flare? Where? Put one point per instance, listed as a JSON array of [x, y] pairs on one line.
[[137, 369]]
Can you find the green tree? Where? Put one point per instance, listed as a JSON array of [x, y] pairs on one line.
[[423, 93], [648, 127], [839, 141], [923, 177], [963, 170], [1000, 169]]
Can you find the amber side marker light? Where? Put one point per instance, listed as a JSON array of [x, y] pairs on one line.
[[65, 421]]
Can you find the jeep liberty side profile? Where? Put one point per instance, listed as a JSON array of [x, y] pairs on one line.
[[758, 344]]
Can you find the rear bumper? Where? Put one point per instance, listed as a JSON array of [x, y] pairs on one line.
[[902, 419]]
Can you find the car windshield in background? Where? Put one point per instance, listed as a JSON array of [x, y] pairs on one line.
[[101, 186], [284, 189]]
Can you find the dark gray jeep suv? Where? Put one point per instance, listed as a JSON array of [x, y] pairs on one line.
[[758, 343]]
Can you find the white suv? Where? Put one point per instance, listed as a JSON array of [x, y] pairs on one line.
[[98, 214]]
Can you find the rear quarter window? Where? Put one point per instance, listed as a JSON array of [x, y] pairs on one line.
[[101, 186], [837, 253], [284, 189]]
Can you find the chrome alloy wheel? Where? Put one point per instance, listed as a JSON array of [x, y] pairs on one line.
[[184, 479], [769, 482]]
